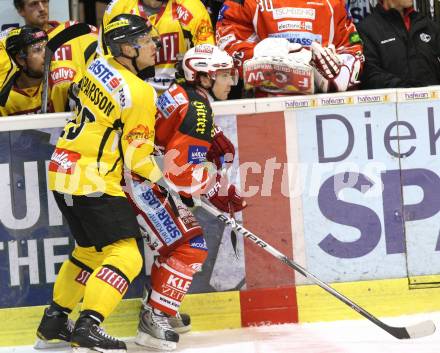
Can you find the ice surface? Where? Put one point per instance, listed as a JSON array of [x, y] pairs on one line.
[[358, 336]]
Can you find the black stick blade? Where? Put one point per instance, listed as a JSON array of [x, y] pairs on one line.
[[68, 34]]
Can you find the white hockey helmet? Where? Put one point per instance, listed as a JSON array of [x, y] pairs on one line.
[[207, 58]]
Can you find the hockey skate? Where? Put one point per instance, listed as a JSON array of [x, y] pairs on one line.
[[155, 331], [54, 331], [181, 323], [88, 336]]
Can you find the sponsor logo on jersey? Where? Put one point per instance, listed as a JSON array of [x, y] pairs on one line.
[[98, 98], [170, 48], [175, 289], [294, 12], [354, 38], [159, 217], [197, 154], [166, 104], [295, 25], [61, 74], [198, 242], [202, 116], [424, 37], [141, 134], [82, 277], [124, 98], [104, 74], [63, 161], [221, 14], [224, 41], [63, 53], [180, 98], [182, 14], [113, 278], [196, 266], [303, 38], [204, 31]]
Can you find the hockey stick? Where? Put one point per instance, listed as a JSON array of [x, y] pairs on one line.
[[64, 36], [422, 329]]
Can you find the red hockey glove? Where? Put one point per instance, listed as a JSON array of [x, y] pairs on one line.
[[221, 146], [225, 196]]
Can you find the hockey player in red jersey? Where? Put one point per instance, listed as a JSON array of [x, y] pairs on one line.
[[321, 26], [192, 147]]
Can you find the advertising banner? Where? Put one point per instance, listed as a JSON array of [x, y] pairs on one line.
[[419, 125], [34, 239], [348, 155]]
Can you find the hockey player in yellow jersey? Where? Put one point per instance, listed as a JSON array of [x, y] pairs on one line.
[[7, 67], [68, 62], [113, 129], [182, 24], [26, 46], [22, 92]]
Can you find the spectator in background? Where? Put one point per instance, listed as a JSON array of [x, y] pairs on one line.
[[401, 47], [182, 24], [336, 49], [213, 7], [35, 13]]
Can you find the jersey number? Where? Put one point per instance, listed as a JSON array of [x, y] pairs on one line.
[[86, 117]]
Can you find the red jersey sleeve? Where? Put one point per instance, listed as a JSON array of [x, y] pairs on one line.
[[235, 31], [346, 35]]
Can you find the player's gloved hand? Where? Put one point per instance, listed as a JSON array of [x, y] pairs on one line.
[[221, 146], [325, 60], [335, 70], [225, 196]]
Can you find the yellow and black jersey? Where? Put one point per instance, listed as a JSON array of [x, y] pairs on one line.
[[28, 100], [69, 63], [22, 101], [7, 67], [113, 126], [181, 24]]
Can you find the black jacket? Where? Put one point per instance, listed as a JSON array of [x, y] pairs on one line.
[[395, 57]]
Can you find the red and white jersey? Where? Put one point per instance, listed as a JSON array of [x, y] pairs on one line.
[[242, 24], [184, 129]]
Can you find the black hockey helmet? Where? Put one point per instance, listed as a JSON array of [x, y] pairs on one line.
[[20, 38], [125, 28]]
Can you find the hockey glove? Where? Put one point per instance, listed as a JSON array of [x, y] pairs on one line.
[[221, 147], [225, 196], [335, 71]]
